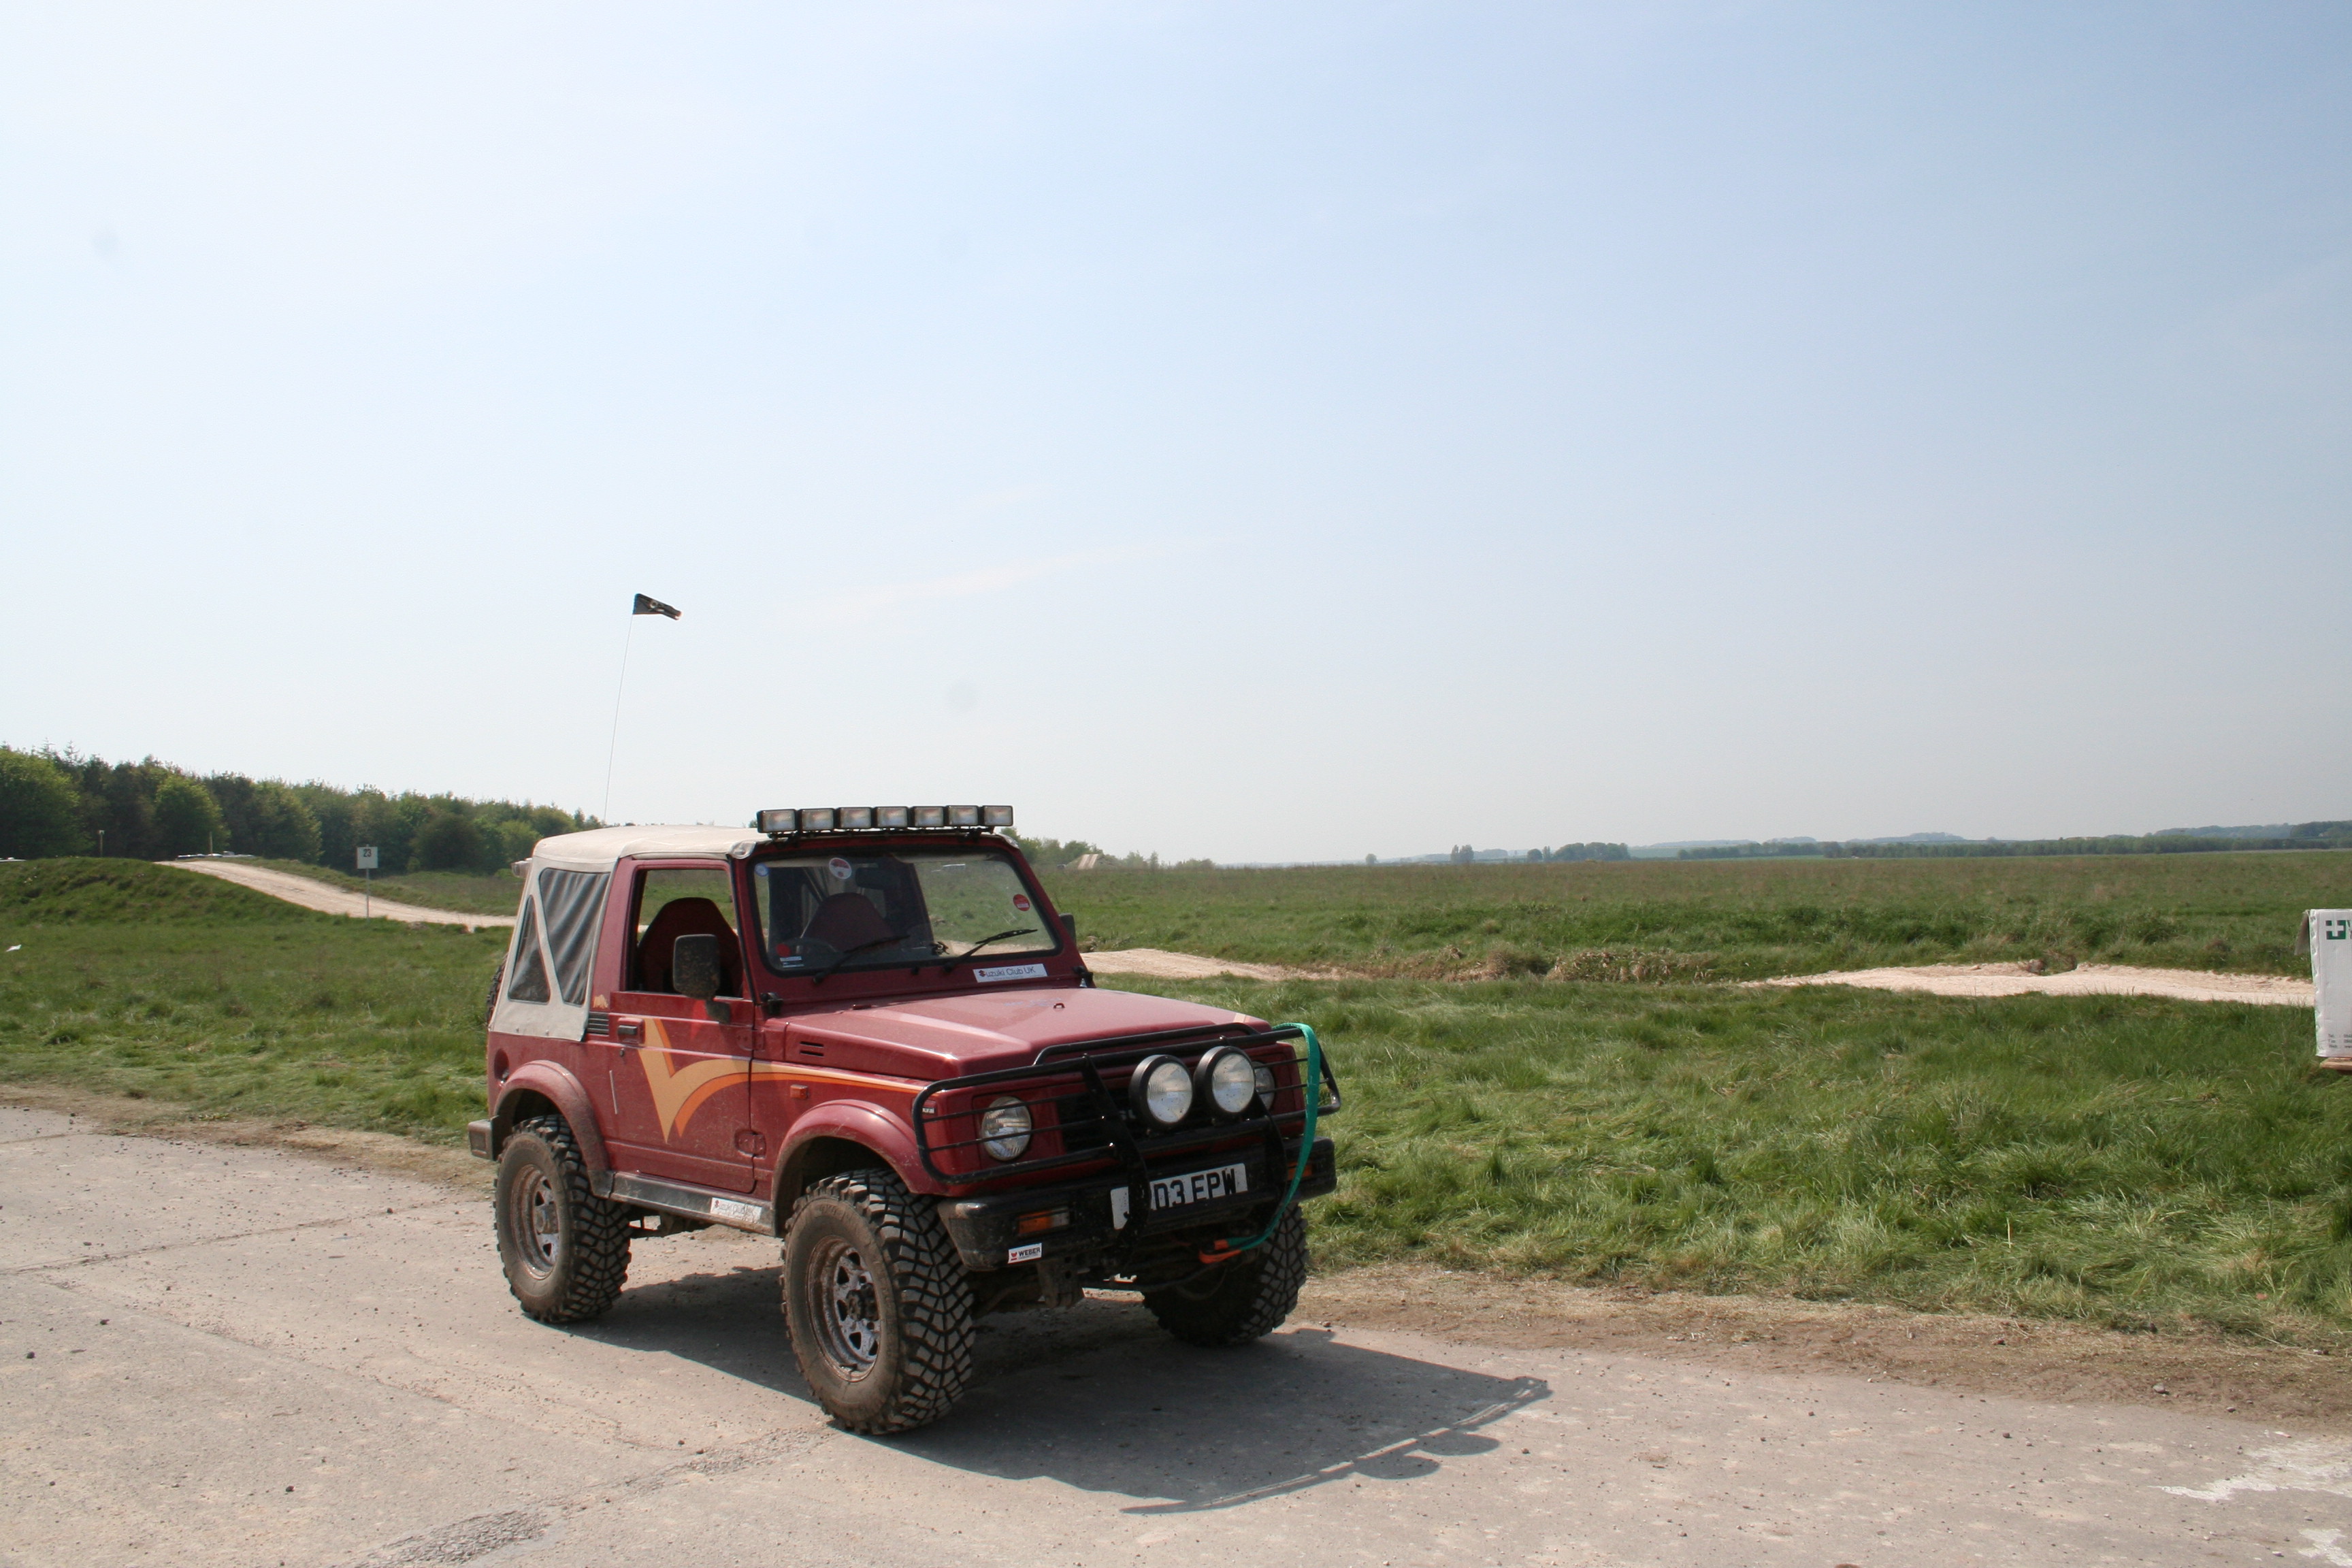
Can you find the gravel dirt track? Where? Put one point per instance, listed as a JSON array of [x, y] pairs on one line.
[[229, 1352], [332, 900]]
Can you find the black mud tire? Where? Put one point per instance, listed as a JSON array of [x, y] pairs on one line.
[[1246, 1299], [878, 1305], [564, 1249]]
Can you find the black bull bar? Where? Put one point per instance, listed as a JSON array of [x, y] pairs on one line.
[[1088, 1110]]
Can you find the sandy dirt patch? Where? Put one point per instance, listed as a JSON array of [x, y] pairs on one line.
[[2088, 980], [329, 900], [1159, 964]]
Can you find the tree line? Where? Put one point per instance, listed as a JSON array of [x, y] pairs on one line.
[[61, 803], [2303, 835]]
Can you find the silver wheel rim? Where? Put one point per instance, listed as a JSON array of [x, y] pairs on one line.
[[538, 1232], [842, 1301]]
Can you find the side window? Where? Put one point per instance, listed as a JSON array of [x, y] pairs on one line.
[[672, 903], [529, 981], [573, 899]]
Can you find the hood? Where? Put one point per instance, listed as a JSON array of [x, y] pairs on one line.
[[948, 1036]]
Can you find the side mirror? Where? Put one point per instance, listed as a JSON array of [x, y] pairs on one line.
[[1070, 924], [694, 966]]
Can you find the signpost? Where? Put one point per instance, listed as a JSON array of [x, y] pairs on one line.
[[367, 871]]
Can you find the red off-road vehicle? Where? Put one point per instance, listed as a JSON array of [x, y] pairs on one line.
[[867, 1030]]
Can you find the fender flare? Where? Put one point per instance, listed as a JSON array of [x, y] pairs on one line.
[[855, 1121], [556, 1084]]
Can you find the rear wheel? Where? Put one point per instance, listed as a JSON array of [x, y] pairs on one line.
[[565, 1250], [877, 1302], [1246, 1299]]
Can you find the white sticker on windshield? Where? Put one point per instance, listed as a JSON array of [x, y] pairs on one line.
[[839, 867], [1010, 972]]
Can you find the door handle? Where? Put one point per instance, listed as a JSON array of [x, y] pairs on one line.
[[628, 1028]]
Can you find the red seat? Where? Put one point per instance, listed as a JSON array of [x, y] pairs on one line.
[[845, 920], [687, 917]]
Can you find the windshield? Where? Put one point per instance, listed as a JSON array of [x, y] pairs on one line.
[[872, 910]]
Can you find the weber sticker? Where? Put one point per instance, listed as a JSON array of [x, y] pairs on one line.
[[1010, 972], [1029, 1253], [728, 1208]]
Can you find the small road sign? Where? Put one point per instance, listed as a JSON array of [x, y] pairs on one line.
[[367, 870], [367, 858]]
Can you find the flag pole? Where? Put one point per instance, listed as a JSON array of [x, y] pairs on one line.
[[643, 604], [614, 748]]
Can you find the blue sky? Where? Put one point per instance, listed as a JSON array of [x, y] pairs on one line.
[[1257, 432]]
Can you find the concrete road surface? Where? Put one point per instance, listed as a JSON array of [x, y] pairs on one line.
[[225, 1355]]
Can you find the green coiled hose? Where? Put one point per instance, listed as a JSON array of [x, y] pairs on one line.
[[1312, 1088]]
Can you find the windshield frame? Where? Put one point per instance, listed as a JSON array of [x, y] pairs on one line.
[[1049, 921]]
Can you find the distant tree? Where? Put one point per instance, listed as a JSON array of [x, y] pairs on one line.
[[1372, 859], [448, 841], [40, 809], [1534, 854], [266, 817], [187, 818]]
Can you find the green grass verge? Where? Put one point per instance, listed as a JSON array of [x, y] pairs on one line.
[[1722, 920], [462, 893], [2121, 1161], [2114, 1159], [285, 1015]]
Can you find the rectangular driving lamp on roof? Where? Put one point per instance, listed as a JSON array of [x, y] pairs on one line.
[[866, 818]]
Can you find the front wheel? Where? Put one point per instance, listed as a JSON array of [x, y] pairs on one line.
[[1246, 1299], [565, 1250], [877, 1302]]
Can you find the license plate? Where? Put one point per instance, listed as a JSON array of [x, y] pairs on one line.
[[1199, 1186]]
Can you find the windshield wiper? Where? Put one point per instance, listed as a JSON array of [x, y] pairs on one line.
[[983, 942], [822, 975]]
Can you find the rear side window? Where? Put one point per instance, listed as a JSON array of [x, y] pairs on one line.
[[573, 899], [529, 981]]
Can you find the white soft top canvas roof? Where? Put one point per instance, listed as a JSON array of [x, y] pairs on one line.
[[598, 848]]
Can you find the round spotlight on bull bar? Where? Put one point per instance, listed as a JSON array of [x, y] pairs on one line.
[[1160, 1090], [1226, 1078]]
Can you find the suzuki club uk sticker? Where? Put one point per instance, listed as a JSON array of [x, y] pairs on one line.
[[1010, 972], [839, 867]]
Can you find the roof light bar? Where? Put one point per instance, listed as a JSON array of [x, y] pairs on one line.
[[778, 820]]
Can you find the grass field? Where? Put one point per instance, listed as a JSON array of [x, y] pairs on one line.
[[1650, 919], [462, 891], [2123, 1161]]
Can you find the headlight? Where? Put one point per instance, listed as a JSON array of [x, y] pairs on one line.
[[1004, 1128], [1264, 1075], [1226, 1079], [1161, 1090]]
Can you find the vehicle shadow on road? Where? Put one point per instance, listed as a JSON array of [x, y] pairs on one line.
[[1121, 1407], [1099, 1397]]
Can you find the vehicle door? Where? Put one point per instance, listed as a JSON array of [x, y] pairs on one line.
[[681, 1077]]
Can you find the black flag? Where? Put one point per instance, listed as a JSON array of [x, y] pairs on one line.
[[650, 606]]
